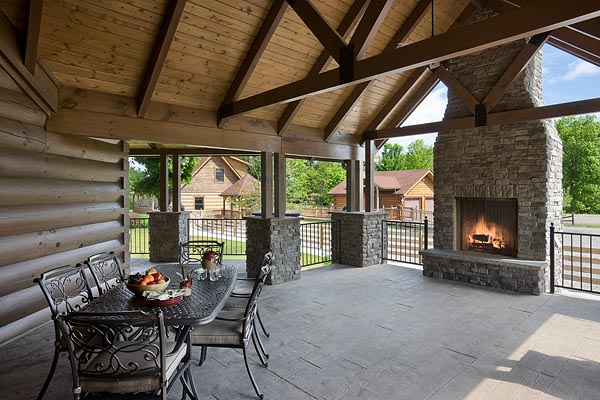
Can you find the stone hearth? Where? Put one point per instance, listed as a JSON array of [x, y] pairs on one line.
[[515, 161]]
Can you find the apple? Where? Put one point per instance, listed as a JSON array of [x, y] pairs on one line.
[[157, 276], [159, 281]]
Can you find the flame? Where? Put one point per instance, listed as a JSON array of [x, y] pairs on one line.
[[494, 232]]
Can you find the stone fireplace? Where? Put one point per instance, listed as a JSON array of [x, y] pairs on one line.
[[498, 188]]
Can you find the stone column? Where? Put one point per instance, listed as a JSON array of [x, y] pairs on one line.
[[167, 231], [282, 236], [360, 238]]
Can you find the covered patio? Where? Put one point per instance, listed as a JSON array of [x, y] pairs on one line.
[[418, 338]]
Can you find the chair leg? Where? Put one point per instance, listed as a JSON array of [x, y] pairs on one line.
[[191, 383], [260, 344], [203, 351], [258, 351], [258, 393], [50, 373], [261, 324]]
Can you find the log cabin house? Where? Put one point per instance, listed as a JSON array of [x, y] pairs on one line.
[[409, 193], [85, 84]]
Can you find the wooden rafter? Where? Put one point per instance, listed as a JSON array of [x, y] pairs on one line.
[[190, 151], [32, 39], [579, 40], [350, 20], [361, 40], [256, 50], [413, 102], [318, 25], [566, 47], [539, 17], [465, 96], [159, 55], [499, 118], [517, 65]]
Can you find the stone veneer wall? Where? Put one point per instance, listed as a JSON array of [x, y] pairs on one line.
[[167, 231], [522, 161], [359, 242], [282, 236]]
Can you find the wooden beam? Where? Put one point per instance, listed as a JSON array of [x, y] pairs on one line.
[[368, 26], [357, 185], [413, 102], [189, 152], [318, 25], [369, 19], [566, 47], [163, 200], [499, 118], [539, 17], [256, 50], [266, 184], [32, 40], [176, 183], [370, 176], [579, 40], [514, 69], [280, 185], [159, 55], [465, 96], [350, 20]]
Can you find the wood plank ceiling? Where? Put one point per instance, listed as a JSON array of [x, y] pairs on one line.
[[189, 53]]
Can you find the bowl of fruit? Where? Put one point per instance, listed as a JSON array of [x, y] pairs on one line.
[[150, 280]]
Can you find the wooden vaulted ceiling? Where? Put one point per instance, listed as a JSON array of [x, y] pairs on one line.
[[198, 54]]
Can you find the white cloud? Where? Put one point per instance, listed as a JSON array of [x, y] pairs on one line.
[[575, 70]]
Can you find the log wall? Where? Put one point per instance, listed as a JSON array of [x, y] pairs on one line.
[[62, 199]]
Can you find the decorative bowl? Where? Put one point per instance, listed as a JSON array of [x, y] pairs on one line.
[[138, 289]]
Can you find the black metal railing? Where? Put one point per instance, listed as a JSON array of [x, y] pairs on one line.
[[232, 231], [316, 242], [402, 241], [138, 236], [574, 261]]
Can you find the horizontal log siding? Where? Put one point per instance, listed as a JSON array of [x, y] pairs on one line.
[[63, 198]]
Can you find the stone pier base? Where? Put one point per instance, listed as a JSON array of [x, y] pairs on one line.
[[282, 236], [360, 240], [167, 230]]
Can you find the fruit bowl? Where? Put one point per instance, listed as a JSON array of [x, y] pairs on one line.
[[139, 289]]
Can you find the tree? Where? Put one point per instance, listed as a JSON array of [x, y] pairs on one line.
[[145, 179], [581, 163], [417, 156]]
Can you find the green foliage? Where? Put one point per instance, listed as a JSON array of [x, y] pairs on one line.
[[418, 155], [254, 168], [144, 180], [581, 163]]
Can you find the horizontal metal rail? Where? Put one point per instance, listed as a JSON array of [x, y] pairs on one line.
[[232, 231], [404, 240], [138, 236], [316, 241]]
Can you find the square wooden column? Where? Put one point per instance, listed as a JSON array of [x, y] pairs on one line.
[[163, 200], [280, 185], [369, 176], [354, 185], [266, 184], [176, 179]]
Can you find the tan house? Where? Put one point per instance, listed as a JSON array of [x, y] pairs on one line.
[[210, 178], [409, 191]]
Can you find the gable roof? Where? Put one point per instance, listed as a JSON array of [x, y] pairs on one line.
[[248, 184], [399, 181]]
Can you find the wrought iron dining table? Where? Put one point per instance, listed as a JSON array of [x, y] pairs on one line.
[[201, 307]]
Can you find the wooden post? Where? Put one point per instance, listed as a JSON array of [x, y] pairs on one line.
[[369, 176], [358, 186], [164, 183], [266, 184], [349, 183], [280, 185], [176, 179]]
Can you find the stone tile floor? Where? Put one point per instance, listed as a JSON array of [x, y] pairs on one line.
[[384, 332]]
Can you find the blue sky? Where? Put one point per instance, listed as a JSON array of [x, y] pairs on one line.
[[565, 78]]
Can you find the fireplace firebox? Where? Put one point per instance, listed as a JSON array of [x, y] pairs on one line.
[[487, 225]]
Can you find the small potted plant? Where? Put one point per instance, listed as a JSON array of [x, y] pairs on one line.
[[185, 281]]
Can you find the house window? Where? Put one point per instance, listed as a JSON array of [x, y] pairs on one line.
[[198, 203], [220, 175]]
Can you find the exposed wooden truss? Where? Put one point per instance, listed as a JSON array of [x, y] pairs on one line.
[[539, 17], [182, 151], [161, 48], [32, 37]]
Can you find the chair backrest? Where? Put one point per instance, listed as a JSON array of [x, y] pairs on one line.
[[106, 270], [266, 266], [66, 289], [251, 309], [116, 352], [192, 251]]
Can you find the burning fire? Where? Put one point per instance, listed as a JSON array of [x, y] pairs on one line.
[[488, 234]]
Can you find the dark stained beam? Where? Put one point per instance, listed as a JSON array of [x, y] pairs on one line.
[[368, 26], [159, 55], [348, 23], [256, 50], [318, 25], [345, 109], [415, 99], [163, 199], [32, 39], [539, 17], [579, 40], [514, 69], [465, 96], [584, 55], [590, 27], [190, 152], [500, 118], [409, 25]]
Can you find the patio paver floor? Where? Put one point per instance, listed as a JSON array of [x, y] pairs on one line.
[[384, 332]]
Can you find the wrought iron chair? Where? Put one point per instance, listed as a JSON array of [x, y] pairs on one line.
[[106, 270], [66, 290], [232, 332], [192, 251], [108, 361], [243, 290]]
